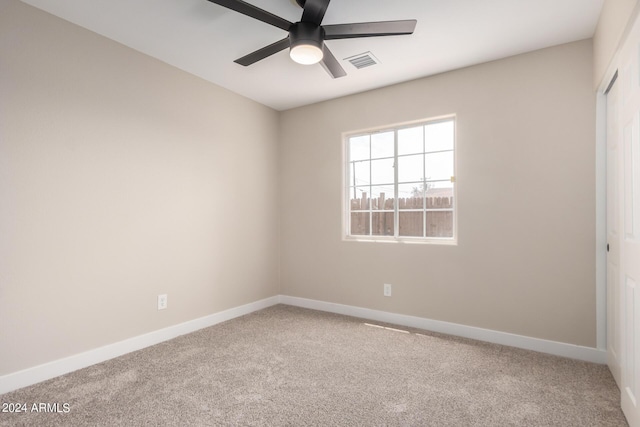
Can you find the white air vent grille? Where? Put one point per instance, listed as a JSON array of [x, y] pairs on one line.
[[363, 60]]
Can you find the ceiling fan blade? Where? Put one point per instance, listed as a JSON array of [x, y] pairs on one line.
[[330, 64], [369, 29], [314, 11], [254, 12], [266, 51]]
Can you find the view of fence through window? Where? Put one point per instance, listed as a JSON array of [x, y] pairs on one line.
[[401, 181]]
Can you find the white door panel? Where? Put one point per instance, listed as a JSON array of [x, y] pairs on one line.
[[628, 202]]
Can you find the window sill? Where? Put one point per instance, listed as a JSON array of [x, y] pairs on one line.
[[408, 240]]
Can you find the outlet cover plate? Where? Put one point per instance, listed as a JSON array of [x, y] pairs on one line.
[[162, 301], [387, 290]]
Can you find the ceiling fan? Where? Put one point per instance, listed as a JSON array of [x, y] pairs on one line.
[[306, 37]]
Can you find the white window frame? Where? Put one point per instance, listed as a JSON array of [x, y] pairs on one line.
[[346, 188]]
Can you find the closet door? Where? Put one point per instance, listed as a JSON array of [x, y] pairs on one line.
[[629, 208]]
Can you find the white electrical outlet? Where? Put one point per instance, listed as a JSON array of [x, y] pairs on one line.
[[387, 290], [162, 301]]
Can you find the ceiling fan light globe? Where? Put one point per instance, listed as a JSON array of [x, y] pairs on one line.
[[306, 54]]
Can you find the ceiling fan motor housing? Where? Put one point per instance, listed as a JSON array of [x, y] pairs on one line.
[[306, 42], [306, 33]]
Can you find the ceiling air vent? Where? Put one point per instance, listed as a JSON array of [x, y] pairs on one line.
[[363, 60]]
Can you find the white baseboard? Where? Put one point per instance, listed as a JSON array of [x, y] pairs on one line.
[[588, 354], [55, 368]]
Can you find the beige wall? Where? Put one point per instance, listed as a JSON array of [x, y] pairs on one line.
[[526, 153], [611, 25], [122, 178]]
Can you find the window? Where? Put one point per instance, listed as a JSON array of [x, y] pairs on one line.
[[401, 183]]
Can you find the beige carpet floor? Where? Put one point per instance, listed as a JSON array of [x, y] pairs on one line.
[[287, 366]]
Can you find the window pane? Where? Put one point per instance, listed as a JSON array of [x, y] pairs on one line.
[[439, 136], [440, 195], [439, 165], [382, 171], [382, 197], [382, 224], [410, 196], [410, 140], [439, 202], [382, 145], [360, 223], [410, 168], [440, 224], [411, 224], [411, 189], [359, 198], [359, 147], [360, 173]]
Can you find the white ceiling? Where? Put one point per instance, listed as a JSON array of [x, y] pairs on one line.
[[204, 39]]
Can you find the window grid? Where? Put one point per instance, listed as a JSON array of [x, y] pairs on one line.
[[376, 206]]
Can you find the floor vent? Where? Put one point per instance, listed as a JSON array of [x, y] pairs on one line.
[[363, 60]]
